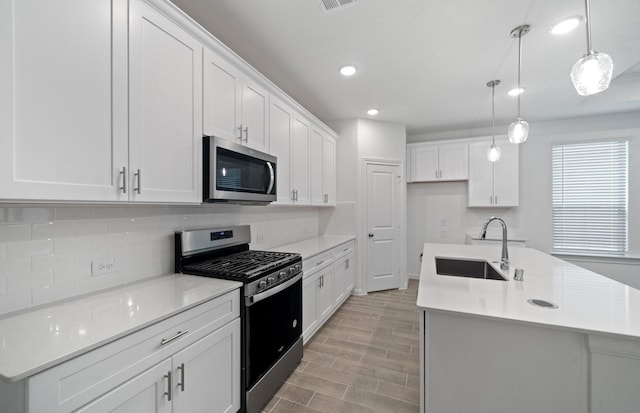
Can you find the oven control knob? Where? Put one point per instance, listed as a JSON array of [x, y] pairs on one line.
[[282, 275], [270, 280], [292, 270], [262, 284], [298, 267]]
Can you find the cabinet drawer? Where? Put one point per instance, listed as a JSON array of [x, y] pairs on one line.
[[76, 382], [344, 249], [313, 264]]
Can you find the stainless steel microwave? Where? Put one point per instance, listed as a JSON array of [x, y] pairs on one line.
[[237, 174]]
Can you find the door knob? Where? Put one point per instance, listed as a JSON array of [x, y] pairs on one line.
[[370, 235]]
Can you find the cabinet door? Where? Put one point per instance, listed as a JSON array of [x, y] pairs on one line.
[[166, 109], [222, 91], [506, 176], [309, 306], [207, 373], [453, 161], [315, 167], [343, 278], [255, 102], [424, 163], [280, 130], [63, 99], [329, 170], [145, 393], [300, 160], [480, 175], [325, 293]]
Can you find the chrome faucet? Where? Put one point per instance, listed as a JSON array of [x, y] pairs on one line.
[[504, 259]]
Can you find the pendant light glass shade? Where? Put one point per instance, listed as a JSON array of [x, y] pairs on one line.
[[592, 73], [494, 152], [518, 131]]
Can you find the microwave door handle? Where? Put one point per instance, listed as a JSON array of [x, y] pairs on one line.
[[272, 177]]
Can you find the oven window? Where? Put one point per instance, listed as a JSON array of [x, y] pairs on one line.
[[240, 173], [273, 325]]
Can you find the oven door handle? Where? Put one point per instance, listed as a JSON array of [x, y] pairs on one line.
[[251, 300]]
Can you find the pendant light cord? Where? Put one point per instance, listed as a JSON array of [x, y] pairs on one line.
[[586, 7], [519, 68], [493, 112]]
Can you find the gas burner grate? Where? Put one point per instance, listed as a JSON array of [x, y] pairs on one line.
[[241, 264]]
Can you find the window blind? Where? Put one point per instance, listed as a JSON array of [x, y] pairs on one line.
[[590, 186]]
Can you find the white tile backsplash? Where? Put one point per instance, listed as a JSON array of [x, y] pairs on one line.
[[46, 252]]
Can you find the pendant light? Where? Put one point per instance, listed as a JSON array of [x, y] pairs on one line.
[[519, 128], [592, 73], [494, 152]]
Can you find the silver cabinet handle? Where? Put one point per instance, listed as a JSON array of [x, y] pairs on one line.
[[371, 235], [169, 386], [181, 383], [246, 134], [496, 199], [138, 185], [123, 174], [177, 336], [346, 264], [240, 128], [272, 177], [436, 174]]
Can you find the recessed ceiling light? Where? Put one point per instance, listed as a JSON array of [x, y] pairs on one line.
[[516, 91], [373, 111], [348, 70], [566, 25]]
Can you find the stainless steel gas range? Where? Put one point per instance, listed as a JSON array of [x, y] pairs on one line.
[[271, 309]]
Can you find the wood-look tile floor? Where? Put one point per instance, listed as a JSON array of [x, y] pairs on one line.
[[364, 359]]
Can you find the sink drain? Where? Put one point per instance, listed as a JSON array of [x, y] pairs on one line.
[[542, 303]]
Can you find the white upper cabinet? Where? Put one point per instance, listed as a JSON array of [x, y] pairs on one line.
[[430, 162], [329, 170], [222, 97], [165, 109], [322, 167], [63, 99], [280, 140], [300, 160], [235, 107], [255, 104], [315, 165], [494, 184]]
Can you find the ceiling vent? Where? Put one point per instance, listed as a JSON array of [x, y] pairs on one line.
[[334, 5]]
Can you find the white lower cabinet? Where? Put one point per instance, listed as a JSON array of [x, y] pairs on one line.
[[142, 394], [328, 281], [189, 362], [344, 274]]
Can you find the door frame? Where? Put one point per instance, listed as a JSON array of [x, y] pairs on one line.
[[362, 277]]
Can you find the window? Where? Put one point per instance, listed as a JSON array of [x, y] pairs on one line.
[[590, 197]]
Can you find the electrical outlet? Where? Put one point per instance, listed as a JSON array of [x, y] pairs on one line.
[[104, 266], [260, 238]]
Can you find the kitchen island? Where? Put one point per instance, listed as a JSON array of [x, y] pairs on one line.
[[485, 348]]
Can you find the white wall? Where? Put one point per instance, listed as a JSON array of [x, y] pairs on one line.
[[362, 139], [46, 251], [437, 212]]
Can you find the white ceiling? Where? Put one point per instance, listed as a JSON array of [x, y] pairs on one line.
[[426, 63]]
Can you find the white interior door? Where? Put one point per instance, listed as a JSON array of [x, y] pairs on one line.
[[383, 227]]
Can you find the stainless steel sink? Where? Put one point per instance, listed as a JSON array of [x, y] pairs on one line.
[[459, 267]]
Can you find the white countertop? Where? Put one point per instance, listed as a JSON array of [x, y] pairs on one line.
[[587, 301], [314, 246], [36, 340]]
